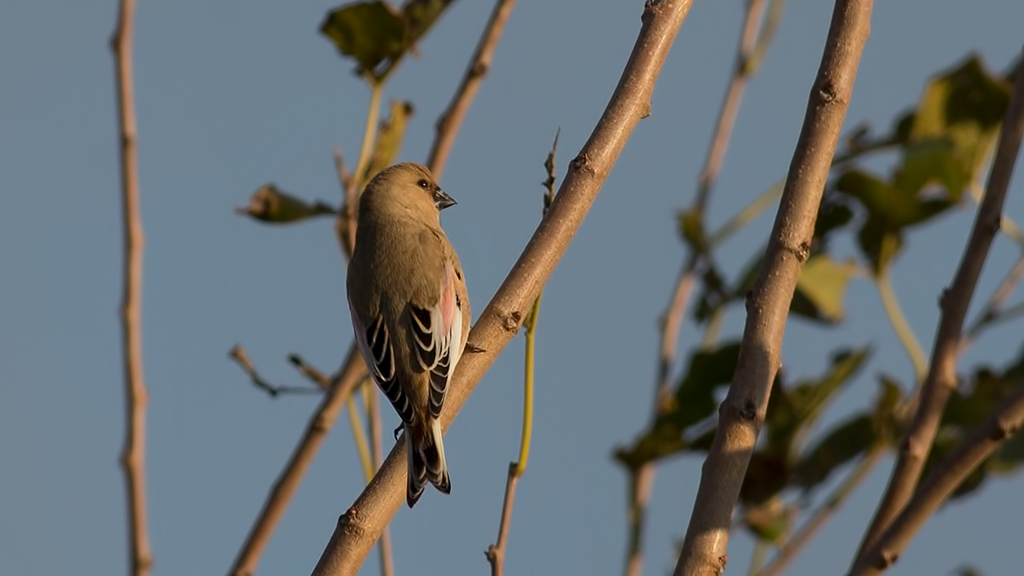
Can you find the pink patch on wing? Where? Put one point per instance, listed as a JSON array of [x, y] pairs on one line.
[[447, 303]]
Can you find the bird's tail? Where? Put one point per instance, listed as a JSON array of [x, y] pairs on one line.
[[425, 453]]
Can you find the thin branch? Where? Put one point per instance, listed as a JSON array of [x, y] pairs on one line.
[[994, 311], [359, 435], [641, 481], [345, 223], [941, 483], [900, 325], [361, 525], [495, 553], [287, 483], [369, 133], [450, 122], [238, 354], [821, 516], [133, 454], [387, 566], [941, 379], [741, 415]]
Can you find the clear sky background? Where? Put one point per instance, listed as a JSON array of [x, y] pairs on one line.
[[233, 94]]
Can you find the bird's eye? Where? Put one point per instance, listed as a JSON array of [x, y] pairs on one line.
[[423, 184]]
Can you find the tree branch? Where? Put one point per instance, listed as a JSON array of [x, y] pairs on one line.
[[641, 480], [495, 553], [941, 379], [387, 566], [238, 354], [288, 482], [940, 484], [133, 454], [741, 415], [450, 122], [361, 525]]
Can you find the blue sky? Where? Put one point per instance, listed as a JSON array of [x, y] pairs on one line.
[[233, 94]]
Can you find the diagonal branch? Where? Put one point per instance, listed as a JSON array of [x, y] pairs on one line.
[[362, 524], [288, 482], [451, 120], [741, 415], [641, 480], [940, 484], [941, 379], [133, 455]]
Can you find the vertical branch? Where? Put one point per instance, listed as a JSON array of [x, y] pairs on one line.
[[941, 379], [364, 521], [641, 480], [741, 415], [133, 456], [451, 120], [387, 567], [495, 553]]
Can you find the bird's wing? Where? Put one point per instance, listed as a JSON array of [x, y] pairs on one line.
[[437, 337], [377, 349]]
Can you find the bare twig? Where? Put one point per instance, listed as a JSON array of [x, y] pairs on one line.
[[496, 552], [387, 566], [451, 120], [287, 483], [238, 354], [901, 327], [361, 525], [741, 415], [817, 520], [345, 223], [133, 454], [994, 311], [641, 480], [937, 487], [941, 379]]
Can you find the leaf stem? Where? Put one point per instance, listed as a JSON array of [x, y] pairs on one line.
[[899, 324]]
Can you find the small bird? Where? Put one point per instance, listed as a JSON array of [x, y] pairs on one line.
[[410, 309]]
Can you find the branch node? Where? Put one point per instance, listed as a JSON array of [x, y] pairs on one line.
[[749, 411], [581, 162], [512, 321], [827, 91]]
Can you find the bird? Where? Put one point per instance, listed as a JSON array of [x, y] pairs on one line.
[[410, 309]]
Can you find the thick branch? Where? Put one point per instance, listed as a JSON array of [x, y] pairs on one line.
[[362, 524], [941, 379], [451, 120], [133, 458], [288, 482], [741, 415], [940, 484]]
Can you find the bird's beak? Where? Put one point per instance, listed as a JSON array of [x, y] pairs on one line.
[[442, 200]]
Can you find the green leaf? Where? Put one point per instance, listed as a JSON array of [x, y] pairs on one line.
[[894, 206], [965, 106], [841, 444], [376, 34], [420, 15], [794, 410], [389, 139], [691, 229], [851, 438], [268, 204], [769, 522], [821, 287], [369, 32], [693, 402]]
